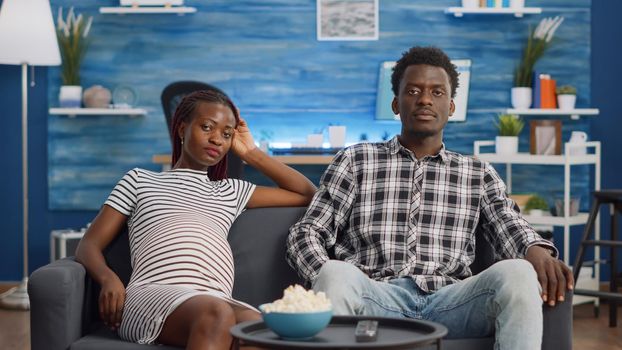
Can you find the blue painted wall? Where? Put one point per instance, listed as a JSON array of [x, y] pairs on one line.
[[264, 54]]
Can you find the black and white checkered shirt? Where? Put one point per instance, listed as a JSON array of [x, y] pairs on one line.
[[392, 215]]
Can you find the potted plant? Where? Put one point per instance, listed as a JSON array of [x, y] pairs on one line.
[[566, 97], [538, 41], [509, 127], [536, 205], [72, 33]]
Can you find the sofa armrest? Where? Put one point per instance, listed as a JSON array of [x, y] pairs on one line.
[[56, 299], [558, 325]]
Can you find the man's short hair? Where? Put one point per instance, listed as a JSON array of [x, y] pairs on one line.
[[429, 55]]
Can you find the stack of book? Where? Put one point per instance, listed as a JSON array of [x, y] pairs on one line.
[[543, 91]]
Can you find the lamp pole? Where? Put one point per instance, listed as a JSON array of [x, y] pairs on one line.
[[17, 298], [27, 37]]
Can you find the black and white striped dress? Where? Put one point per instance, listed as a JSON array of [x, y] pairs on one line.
[[178, 223]]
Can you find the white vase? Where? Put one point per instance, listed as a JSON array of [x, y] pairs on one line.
[[517, 4], [521, 97], [566, 102], [506, 144], [337, 136], [70, 96]]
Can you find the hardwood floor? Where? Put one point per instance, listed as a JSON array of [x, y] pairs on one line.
[[14, 327], [589, 333]]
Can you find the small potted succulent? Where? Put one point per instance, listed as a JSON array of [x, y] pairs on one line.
[[536, 206], [566, 97], [509, 127]]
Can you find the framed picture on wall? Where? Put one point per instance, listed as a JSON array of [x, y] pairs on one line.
[[385, 94], [347, 20], [545, 137]]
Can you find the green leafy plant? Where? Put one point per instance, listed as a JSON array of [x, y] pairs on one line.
[[509, 125], [72, 33], [538, 41], [536, 202], [566, 90]]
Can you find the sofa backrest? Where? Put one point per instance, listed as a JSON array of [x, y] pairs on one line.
[[258, 238]]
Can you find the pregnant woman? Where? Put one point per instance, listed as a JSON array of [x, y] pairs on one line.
[[180, 289]]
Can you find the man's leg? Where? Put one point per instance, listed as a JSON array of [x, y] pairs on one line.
[[351, 292], [503, 300]]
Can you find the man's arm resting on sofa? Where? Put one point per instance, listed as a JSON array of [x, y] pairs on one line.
[[56, 299]]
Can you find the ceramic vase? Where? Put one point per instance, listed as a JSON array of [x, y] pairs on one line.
[[521, 97], [566, 102], [506, 144], [70, 96]]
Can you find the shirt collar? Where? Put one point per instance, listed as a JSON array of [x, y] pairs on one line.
[[395, 147]]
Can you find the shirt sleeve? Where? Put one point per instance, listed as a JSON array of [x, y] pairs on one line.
[[510, 234], [311, 238], [124, 194], [244, 190]]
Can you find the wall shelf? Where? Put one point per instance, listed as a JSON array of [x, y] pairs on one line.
[[123, 10], [517, 12], [573, 113], [566, 161], [72, 112]]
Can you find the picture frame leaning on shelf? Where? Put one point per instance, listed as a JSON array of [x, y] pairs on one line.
[[545, 137]]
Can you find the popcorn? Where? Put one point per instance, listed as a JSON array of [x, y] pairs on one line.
[[297, 299]]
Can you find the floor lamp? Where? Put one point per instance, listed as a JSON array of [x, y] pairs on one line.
[[27, 37]]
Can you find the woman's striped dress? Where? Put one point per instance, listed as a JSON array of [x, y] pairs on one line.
[[178, 224]]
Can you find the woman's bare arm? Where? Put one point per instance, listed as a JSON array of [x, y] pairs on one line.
[[106, 226], [294, 188]]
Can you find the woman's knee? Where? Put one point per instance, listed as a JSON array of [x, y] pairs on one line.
[[214, 316]]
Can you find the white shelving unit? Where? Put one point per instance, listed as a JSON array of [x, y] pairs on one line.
[[517, 12], [72, 112], [130, 10], [573, 113], [586, 280]]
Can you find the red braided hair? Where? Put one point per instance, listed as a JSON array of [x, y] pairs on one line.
[[184, 113]]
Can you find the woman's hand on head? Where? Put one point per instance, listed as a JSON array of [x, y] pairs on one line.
[[242, 139], [111, 301]]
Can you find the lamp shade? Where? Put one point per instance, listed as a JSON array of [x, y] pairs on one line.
[[27, 33]]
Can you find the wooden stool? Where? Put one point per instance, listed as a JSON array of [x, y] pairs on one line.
[[614, 199]]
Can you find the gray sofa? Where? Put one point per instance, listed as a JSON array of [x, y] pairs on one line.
[[64, 299]]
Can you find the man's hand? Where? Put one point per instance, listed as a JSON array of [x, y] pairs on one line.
[[554, 276]]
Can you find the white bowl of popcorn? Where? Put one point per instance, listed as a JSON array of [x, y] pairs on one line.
[[300, 314]]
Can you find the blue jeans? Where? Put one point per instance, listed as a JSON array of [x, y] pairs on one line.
[[504, 300]]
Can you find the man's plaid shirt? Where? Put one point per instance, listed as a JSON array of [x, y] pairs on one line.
[[391, 215]]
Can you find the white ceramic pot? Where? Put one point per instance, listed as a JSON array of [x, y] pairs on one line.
[[470, 4], [521, 97], [566, 102], [506, 144], [70, 96], [337, 136], [517, 4], [577, 143]]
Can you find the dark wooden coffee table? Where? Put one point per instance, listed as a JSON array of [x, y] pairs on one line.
[[393, 333]]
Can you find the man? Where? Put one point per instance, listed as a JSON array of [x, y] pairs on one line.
[[391, 231]]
